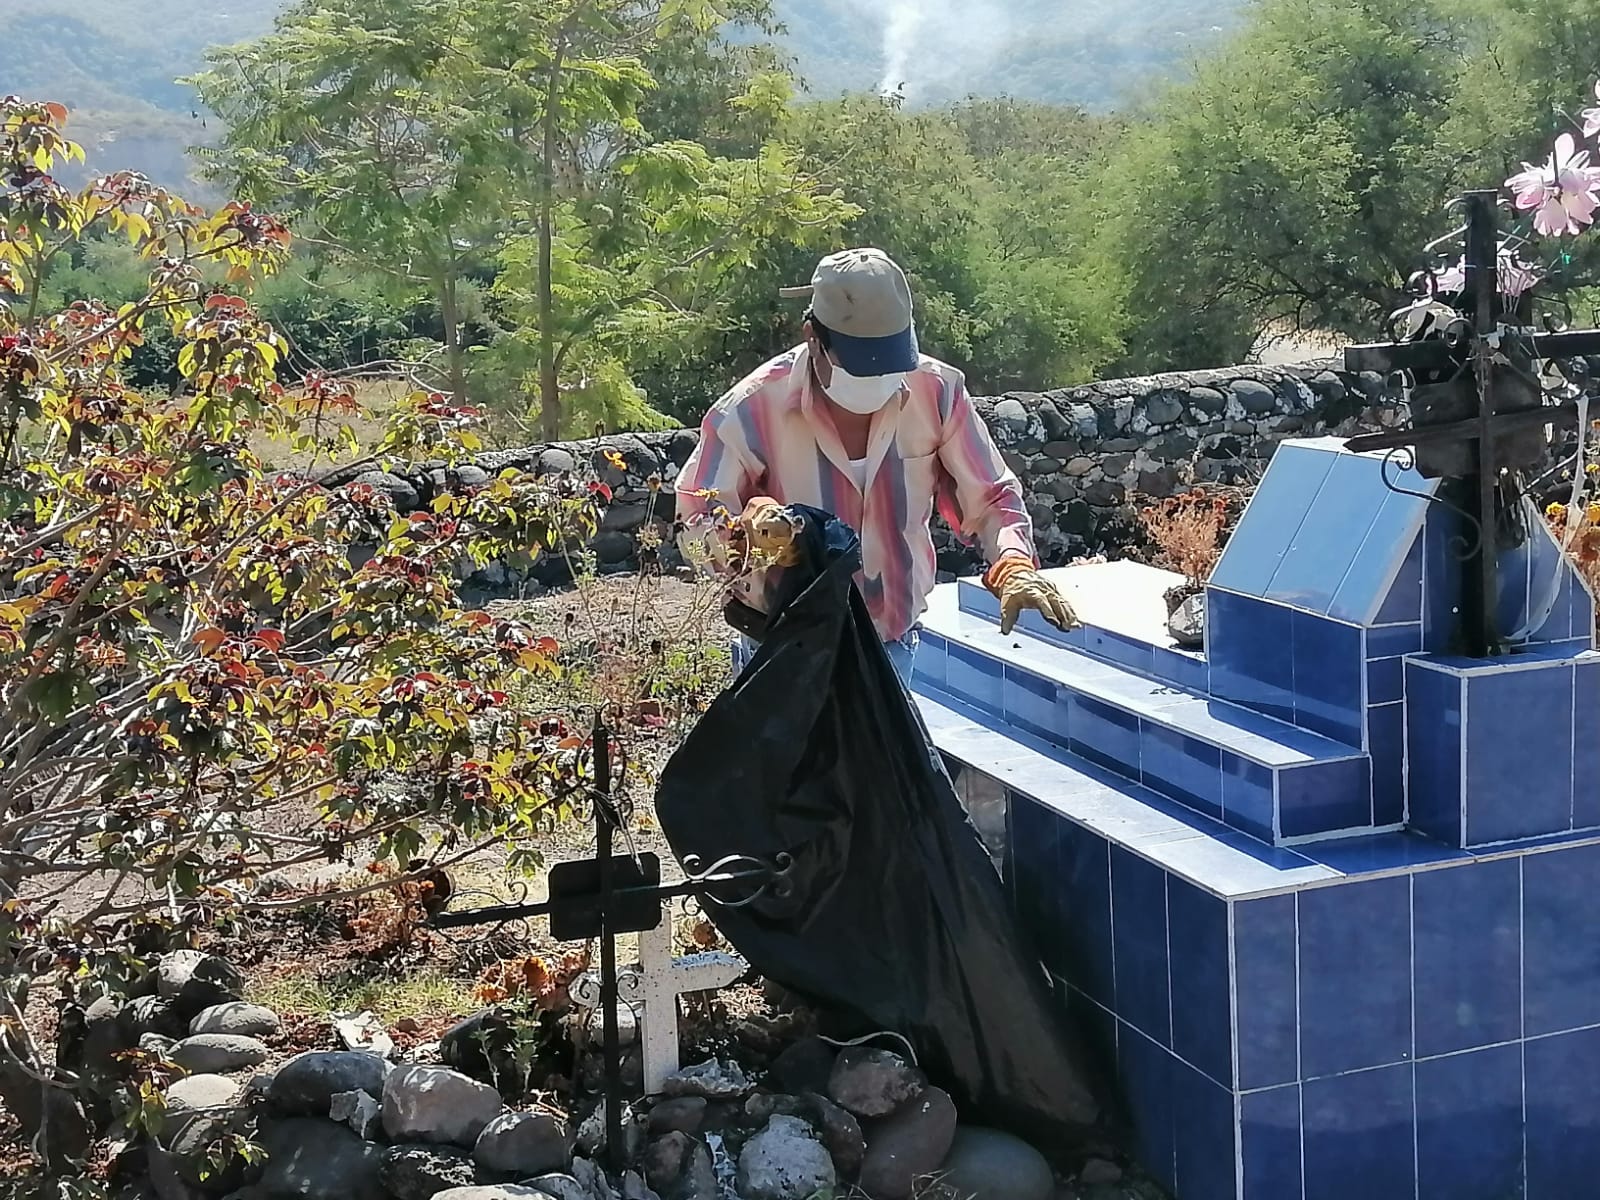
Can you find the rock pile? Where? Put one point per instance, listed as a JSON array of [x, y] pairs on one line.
[[347, 1123], [859, 1118], [336, 1124]]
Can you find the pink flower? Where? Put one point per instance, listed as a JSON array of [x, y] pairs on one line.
[[1591, 116], [1563, 193]]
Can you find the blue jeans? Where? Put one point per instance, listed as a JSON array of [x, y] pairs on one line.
[[901, 654]]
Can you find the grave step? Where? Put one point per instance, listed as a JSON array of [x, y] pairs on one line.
[[1198, 849], [1123, 615], [1271, 780]]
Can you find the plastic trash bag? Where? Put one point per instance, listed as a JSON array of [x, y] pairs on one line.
[[897, 920]]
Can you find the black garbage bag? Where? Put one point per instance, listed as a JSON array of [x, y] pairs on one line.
[[897, 920]]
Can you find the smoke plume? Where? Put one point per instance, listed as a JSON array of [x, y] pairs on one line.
[[931, 46]]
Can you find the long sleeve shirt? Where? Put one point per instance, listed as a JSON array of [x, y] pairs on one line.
[[772, 436]]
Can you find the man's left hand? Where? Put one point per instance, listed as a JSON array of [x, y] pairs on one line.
[[1018, 585]]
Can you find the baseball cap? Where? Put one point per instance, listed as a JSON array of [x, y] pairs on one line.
[[863, 300]]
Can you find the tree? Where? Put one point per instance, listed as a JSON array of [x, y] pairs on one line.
[[982, 204], [1292, 180], [385, 128], [428, 136], [198, 685]]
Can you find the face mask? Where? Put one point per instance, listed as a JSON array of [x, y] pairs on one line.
[[862, 395]]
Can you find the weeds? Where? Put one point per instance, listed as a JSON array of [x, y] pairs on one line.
[[1187, 532]]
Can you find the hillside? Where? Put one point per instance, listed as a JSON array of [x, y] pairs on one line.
[[115, 63]]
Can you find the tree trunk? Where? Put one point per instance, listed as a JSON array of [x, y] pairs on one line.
[[549, 381], [455, 356]]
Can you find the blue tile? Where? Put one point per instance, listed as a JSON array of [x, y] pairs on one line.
[[1145, 1071], [1096, 1028], [1586, 746], [1386, 680], [1034, 705], [1359, 1135], [1036, 892], [1104, 735], [1433, 752], [928, 665], [1247, 796], [1386, 747], [1386, 552], [1519, 754], [1203, 1137], [1469, 1125], [1564, 619], [1249, 644], [1269, 1141], [1327, 677], [1124, 651], [1187, 670], [1201, 1008], [1083, 953], [1266, 990], [1182, 768], [1562, 1120], [1274, 515], [1348, 932], [1325, 797], [1404, 601], [1515, 570], [1467, 922], [1381, 852], [974, 677], [1392, 641], [1330, 540], [1139, 935], [1560, 952]]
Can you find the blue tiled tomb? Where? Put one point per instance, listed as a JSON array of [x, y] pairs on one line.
[[1326, 896]]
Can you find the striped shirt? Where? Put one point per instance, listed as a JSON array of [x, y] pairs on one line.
[[928, 448]]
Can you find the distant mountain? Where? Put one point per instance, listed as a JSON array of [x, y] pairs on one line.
[[1096, 53], [115, 62]]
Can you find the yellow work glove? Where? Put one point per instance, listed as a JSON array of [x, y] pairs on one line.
[[1018, 585], [770, 529]]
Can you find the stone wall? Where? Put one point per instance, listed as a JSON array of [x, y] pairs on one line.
[[1085, 455]]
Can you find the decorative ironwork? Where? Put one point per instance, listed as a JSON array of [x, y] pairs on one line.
[[1478, 413], [1405, 458], [615, 894]]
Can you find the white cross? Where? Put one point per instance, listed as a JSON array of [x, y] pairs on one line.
[[652, 989]]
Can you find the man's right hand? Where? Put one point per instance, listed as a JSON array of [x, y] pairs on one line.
[[770, 530]]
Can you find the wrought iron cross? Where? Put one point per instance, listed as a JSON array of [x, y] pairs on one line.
[[609, 894], [1477, 414]]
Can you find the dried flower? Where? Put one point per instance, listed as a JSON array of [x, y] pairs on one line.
[[1187, 530]]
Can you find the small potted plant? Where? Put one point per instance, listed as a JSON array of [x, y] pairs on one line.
[[1186, 531]]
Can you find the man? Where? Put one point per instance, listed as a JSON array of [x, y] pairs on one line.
[[856, 422]]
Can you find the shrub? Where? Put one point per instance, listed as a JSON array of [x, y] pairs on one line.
[[201, 684]]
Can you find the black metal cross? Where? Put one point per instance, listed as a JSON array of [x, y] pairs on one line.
[[1477, 409], [607, 895]]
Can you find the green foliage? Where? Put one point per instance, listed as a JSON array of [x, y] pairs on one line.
[[980, 203], [435, 139], [1296, 178]]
